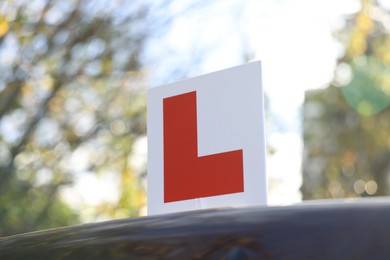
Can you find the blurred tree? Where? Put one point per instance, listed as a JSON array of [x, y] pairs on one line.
[[72, 103], [346, 126]]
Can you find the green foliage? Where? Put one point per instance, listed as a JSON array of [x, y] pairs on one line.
[[367, 90], [346, 134], [72, 102]]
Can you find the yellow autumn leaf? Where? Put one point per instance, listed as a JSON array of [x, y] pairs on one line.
[[4, 26]]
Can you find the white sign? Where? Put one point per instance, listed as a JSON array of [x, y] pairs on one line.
[[206, 144]]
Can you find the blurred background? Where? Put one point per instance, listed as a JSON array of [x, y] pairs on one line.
[[73, 81]]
